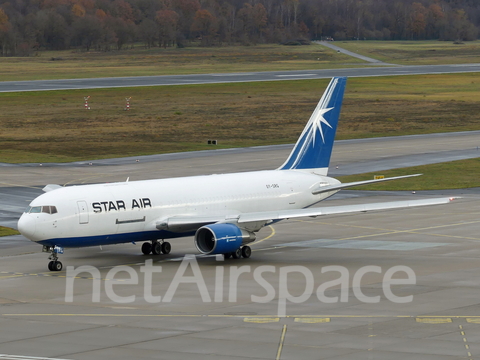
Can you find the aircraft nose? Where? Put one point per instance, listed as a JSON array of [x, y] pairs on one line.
[[26, 226]]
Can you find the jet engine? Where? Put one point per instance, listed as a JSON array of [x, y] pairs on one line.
[[221, 238]]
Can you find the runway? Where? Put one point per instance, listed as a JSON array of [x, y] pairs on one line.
[[135, 81], [223, 320]]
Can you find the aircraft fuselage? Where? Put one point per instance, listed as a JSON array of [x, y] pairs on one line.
[[112, 213]]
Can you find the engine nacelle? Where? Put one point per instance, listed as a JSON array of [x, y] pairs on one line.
[[221, 238]]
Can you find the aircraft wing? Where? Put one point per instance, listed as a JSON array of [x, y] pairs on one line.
[[322, 189], [177, 223], [189, 223], [51, 187]]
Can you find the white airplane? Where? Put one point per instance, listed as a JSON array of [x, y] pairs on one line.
[[222, 212]]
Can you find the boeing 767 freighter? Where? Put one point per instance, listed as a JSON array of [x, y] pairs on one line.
[[222, 212]]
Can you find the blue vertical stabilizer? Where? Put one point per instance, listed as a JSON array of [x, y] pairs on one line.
[[314, 146]]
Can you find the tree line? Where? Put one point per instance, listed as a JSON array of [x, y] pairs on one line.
[[31, 25]]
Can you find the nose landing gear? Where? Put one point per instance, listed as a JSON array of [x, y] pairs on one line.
[[54, 264]]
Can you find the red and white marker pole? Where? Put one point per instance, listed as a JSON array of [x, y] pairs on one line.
[[127, 106], [86, 102]]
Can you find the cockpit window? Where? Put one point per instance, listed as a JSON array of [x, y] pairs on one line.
[[49, 209], [41, 209]]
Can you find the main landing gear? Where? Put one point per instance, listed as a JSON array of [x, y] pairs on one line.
[[156, 247], [54, 264], [245, 252]]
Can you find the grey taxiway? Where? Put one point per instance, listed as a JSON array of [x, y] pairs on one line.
[[439, 244]]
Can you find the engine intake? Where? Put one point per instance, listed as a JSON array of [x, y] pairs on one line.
[[221, 238]]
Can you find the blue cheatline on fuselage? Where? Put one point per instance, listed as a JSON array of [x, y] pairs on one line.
[[314, 146], [85, 241]]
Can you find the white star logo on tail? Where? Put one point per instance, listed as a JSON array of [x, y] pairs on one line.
[[308, 153], [317, 123]]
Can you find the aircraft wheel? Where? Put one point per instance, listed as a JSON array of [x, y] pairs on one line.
[[166, 248], [246, 252], [50, 266], [146, 248], [57, 266], [156, 248], [237, 254]]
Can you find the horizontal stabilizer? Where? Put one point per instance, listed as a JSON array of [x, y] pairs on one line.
[[327, 188]]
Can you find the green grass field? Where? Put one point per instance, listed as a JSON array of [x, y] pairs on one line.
[[459, 174], [194, 60], [53, 126], [416, 52], [4, 231], [157, 61]]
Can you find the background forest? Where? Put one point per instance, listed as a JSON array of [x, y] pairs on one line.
[[27, 26]]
